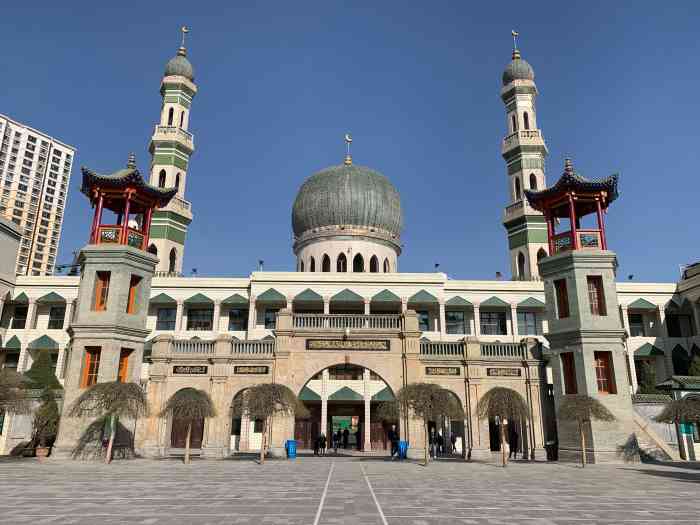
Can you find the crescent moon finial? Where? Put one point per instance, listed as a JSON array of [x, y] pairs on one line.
[[348, 157]]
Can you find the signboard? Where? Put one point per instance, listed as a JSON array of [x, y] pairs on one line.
[[504, 372], [190, 369], [441, 370], [381, 345], [251, 369]]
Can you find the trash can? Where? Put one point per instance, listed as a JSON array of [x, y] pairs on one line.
[[403, 447], [291, 447]]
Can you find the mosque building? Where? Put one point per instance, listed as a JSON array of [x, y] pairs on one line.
[[345, 329]]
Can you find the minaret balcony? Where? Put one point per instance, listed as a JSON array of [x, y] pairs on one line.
[[173, 133], [518, 209], [523, 137]]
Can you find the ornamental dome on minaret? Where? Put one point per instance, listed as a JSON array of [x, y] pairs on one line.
[[180, 66], [517, 69]]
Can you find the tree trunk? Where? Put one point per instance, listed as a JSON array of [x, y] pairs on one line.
[[583, 443], [426, 455], [502, 436], [187, 443], [112, 432], [263, 442]]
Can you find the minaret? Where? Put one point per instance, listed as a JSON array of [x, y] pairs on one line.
[[524, 151], [171, 147]]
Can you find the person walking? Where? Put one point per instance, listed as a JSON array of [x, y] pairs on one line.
[[432, 443], [346, 438], [336, 441], [440, 443], [512, 440], [393, 436], [358, 439], [317, 445], [322, 444], [453, 443]]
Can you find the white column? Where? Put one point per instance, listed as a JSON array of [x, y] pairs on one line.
[[366, 443], [443, 329], [31, 314], [178, 316], [514, 320], [404, 305], [661, 329], [625, 320], [217, 317], [324, 406], [326, 305], [366, 306], [68, 315], [633, 373], [477, 321], [252, 316]]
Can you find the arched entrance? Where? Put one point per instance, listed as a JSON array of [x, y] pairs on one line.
[[342, 398], [246, 434], [449, 433], [178, 433]]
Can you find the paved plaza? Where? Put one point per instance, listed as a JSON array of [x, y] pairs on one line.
[[350, 490]]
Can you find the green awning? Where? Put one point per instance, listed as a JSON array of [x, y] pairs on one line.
[[162, 298], [308, 296], [43, 343], [307, 394], [347, 296], [648, 350], [383, 395], [271, 296], [13, 343], [423, 297], [531, 302], [21, 299], [642, 304], [199, 300], [51, 298], [346, 394], [494, 302], [235, 300], [458, 301], [386, 296]]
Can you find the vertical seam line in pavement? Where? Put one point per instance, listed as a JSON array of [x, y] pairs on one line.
[[374, 497], [323, 496]]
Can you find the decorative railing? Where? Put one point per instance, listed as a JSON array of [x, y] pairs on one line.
[[589, 239], [181, 203], [562, 242], [442, 349], [524, 136], [343, 321], [174, 130], [503, 351], [163, 273], [111, 234], [254, 348], [193, 346]]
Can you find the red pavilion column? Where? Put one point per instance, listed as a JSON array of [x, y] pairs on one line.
[[572, 219], [601, 225], [550, 231], [97, 220], [125, 218], [146, 227]]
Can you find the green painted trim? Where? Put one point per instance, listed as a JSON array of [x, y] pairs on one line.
[[642, 304], [529, 236], [271, 296], [386, 296], [13, 343], [345, 394], [494, 302], [383, 395], [162, 299], [51, 298], [199, 300], [531, 302], [167, 232], [648, 350], [309, 296], [458, 301], [44, 343], [423, 297], [21, 299], [524, 164], [172, 216], [540, 149], [166, 147], [524, 221], [307, 394], [347, 296], [169, 160], [235, 300]]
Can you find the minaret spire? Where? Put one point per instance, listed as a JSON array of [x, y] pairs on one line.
[[183, 50], [348, 157], [516, 52]]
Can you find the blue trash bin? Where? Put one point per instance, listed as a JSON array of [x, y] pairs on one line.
[[403, 447], [291, 447]]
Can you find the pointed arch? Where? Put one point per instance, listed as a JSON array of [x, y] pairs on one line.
[[161, 179], [533, 181], [514, 121], [358, 263], [173, 260], [182, 118], [312, 264], [518, 193], [521, 265], [326, 263], [681, 361], [526, 120], [152, 249], [386, 266], [374, 264], [342, 264], [171, 112], [177, 182]]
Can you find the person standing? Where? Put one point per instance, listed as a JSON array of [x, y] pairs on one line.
[[346, 438], [336, 441], [317, 445], [393, 436], [453, 443], [358, 439], [512, 440], [432, 443], [322, 444]]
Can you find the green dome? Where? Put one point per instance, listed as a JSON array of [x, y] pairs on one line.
[[347, 195], [180, 66], [518, 69]]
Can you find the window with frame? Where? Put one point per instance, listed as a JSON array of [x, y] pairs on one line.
[[596, 295], [271, 318], [237, 320], [569, 372], [91, 366], [258, 426], [423, 320], [527, 323], [19, 316], [131, 305], [11, 360], [493, 323], [165, 318], [200, 319], [455, 322], [123, 370], [101, 291], [604, 372], [346, 372], [56, 316], [636, 322], [562, 297]]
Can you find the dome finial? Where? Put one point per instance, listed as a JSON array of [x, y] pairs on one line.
[[516, 52], [348, 157], [568, 165], [131, 163], [183, 51]]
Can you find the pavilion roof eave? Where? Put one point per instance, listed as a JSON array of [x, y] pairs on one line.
[[123, 179]]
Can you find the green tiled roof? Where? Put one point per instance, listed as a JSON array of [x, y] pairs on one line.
[[162, 298], [347, 296], [307, 394], [681, 383], [386, 296], [642, 304], [423, 297], [531, 302], [13, 343], [199, 300], [648, 350], [383, 395], [458, 301], [271, 296], [494, 302], [51, 297], [309, 296], [345, 394], [21, 299], [44, 343], [235, 300]]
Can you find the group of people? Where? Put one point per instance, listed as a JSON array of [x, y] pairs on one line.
[[340, 438], [437, 445]]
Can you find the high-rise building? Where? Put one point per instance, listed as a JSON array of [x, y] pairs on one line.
[[34, 173]]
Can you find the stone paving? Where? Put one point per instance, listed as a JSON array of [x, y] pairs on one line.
[[350, 490]]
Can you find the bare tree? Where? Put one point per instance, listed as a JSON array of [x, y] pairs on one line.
[[686, 410], [189, 405], [263, 402], [13, 395], [583, 409], [506, 405], [111, 400]]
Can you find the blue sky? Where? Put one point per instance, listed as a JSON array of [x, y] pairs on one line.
[[417, 84]]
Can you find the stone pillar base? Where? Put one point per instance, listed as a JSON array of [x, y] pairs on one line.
[[151, 452], [277, 452], [215, 452], [415, 453]]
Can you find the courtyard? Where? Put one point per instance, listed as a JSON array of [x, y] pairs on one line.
[[339, 490]]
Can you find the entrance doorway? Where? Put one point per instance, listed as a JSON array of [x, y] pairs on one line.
[[178, 434]]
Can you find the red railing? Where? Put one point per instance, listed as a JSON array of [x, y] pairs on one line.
[[112, 234], [586, 240]]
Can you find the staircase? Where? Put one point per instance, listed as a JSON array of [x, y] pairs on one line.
[[652, 447]]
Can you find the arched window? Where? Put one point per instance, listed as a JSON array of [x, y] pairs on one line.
[[173, 257], [301, 266], [515, 123], [374, 264], [358, 264], [541, 254], [170, 117], [533, 181], [526, 120], [342, 265], [326, 264], [177, 182], [517, 189], [161, 179], [152, 249], [521, 265], [312, 265], [182, 118], [386, 265]]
